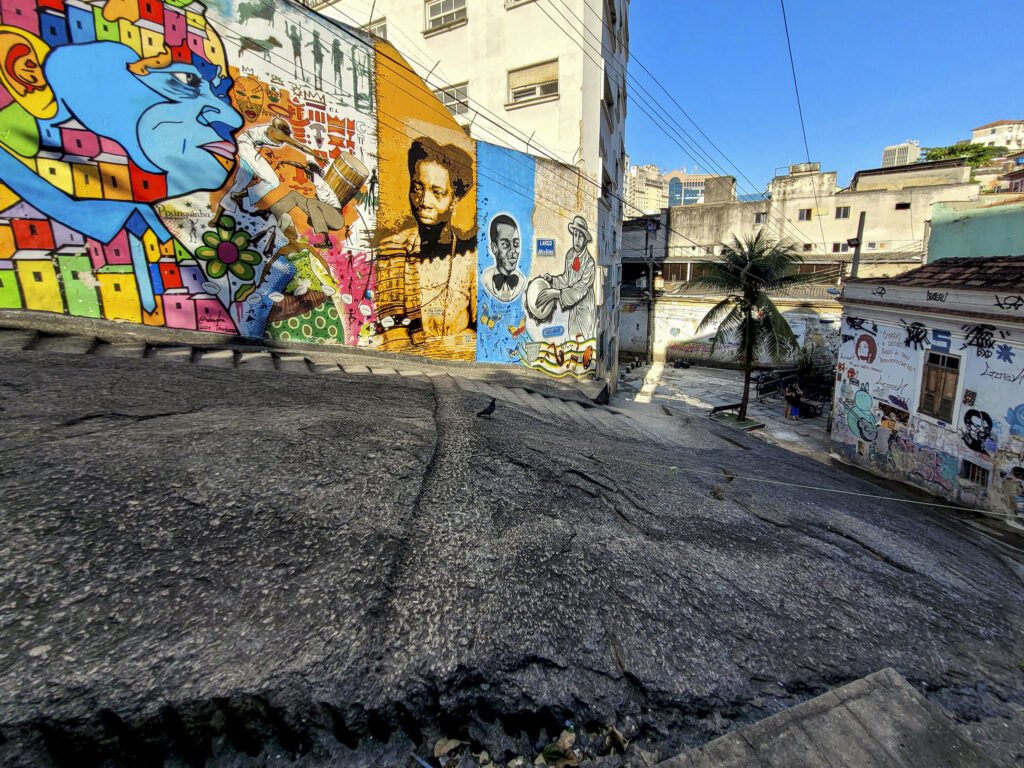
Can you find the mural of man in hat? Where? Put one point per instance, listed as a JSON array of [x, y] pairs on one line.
[[574, 288]]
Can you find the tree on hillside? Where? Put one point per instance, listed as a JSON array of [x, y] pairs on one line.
[[976, 155], [748, 270]]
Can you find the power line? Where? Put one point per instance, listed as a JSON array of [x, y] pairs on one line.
[[800, 110], [682, 136]]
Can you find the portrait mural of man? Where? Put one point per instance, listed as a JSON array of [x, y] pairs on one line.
[[426, 272], [574, 287], [504, 281]]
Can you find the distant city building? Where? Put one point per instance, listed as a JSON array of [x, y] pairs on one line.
[[1001, 133], [688, 188], [646, 190], [901, 154]]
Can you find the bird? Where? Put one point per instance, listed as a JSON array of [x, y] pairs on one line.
[[486, 412]]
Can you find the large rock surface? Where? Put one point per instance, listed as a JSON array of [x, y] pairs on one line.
[[203, 565]]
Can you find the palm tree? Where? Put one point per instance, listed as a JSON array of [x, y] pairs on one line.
[[748, 270]]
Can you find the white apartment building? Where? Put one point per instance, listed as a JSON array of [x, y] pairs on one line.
[[546, 77], [901, 154], [646, 190], [1001, 133]]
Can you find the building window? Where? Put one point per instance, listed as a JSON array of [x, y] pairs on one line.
[[805, 214], [533, 83], [760, 217], [902, 206], [871, 246], [444, 13], [455, 98], [843, 212], [938, 386], [37, 276], [378, 28], [840, 247], [117, 287], [973, 473], [808, 246]]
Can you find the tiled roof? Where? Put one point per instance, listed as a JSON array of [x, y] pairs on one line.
[[997, 123], [999, 273]]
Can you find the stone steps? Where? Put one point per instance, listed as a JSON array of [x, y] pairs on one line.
[[592, 417]]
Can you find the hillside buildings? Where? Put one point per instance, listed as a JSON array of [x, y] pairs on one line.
[[1001, 133]]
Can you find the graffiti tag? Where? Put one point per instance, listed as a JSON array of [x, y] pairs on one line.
[[936, 296], [1012, 303], [980, 337], [1013, 378], [917, 334]]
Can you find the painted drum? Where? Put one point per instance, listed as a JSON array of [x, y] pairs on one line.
[[346, 176], [539, 309]]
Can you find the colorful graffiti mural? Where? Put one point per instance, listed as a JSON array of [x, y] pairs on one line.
[[272, 175], [895, 376]]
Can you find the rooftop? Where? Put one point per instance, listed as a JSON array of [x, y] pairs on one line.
[[997, 123], [999, 273]]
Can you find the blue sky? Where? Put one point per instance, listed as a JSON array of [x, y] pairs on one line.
[[871, 73]]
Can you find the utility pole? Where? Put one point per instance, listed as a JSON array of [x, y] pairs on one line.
[[856, 243], [651, 227]]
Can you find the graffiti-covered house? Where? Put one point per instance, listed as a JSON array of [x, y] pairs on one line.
[[257, 170], [930, 380]]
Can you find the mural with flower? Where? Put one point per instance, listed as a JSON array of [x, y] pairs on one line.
[[236, 195]]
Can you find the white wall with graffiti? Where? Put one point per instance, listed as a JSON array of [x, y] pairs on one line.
[[934, 399]]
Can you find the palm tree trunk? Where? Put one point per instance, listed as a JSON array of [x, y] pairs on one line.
[[748, 363]]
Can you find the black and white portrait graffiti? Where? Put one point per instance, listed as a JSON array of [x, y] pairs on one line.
[[504, 281], [977, 431], [574, 288]]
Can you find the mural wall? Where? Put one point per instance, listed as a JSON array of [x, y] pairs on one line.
[[676, 336], [884, 419], [253, 169]]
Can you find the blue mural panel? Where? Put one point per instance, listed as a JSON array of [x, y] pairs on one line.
[[505, 203]]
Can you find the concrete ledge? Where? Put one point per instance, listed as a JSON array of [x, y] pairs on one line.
[[879, 721]]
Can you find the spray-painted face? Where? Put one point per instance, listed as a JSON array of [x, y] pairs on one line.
[[506, 248], [430, 193]]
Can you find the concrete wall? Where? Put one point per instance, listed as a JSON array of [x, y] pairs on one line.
[[676, 336], [987, 227], [913, 177], [877, 424], [250, 175]]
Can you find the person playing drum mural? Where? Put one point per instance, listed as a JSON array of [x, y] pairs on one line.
[[426, 274]]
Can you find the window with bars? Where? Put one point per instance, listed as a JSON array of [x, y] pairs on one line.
[[532, 83], [378, 28], [455, 98], [444, 13], [938, 386], [973, 473], [760, 217]]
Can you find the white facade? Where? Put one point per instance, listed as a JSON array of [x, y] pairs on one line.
[[543, 78], [901, 154], [1001, 133]]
